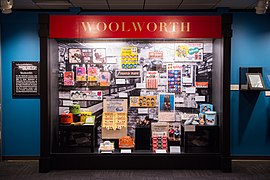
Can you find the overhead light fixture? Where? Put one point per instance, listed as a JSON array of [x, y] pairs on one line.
[[52, 2], [6, 6], [262, 6]]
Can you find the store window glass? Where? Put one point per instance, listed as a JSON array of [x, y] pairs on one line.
[[129, 96]]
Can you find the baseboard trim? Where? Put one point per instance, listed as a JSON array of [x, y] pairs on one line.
[[20, 157], [249, 158]]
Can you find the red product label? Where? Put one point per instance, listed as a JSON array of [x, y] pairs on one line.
[[202, 84]]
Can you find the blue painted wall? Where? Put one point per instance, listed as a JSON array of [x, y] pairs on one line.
[[20, 42], [250, 114]]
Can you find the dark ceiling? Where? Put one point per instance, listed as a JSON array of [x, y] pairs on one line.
[[139, 5]]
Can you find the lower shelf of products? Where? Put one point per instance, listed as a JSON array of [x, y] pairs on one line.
[[84, 150], [82, 139]]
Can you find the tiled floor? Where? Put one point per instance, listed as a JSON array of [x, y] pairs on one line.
[[29, 170]]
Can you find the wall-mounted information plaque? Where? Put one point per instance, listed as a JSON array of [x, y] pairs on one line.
[[25, 78]]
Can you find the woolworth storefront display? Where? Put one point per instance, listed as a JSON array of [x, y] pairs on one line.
[[118, 91]]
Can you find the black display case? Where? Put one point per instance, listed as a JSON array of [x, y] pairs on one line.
[[52, 158]]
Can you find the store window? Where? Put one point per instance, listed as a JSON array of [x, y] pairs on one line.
[[136, 96]]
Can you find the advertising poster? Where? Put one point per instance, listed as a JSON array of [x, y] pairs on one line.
[[187, 74], [174, 77], [152, 79], [104, 79], [159, 129], [114, 121], [87, 55], [134, 101], [153, 113], [80, 74], [174, 132], [99, 56], [143, 101], [92, 73], [108, 120], [189, 52], [114, 125], [166, 107], [129, 57], [69, 78], [74, 55], [120, 120], [163, 80], [115, 105], [156, 55], [86, 95]]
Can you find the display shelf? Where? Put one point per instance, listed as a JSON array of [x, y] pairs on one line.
[[254, 90], [68, 88], [137, 152], [204, 139], [65, 131]]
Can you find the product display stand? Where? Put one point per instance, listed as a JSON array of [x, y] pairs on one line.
[[196, 139], [144, 138], [65, 131]]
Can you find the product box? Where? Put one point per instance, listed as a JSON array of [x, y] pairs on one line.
[[210, 118], [104, 78], [85, 115], [66, 118], [106, 146], [159, 143], [80, 74], [206, 107], [90, 120], [126, 142], [92, 73], [75, 109], [69, 78]]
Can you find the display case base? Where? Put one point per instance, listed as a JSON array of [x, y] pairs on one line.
[[137, 161]]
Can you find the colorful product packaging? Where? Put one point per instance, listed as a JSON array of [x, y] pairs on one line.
[[75, 109], [85, 115], [210, 118], [66, 118]]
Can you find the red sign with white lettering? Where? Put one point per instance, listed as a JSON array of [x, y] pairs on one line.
[[77, 26]]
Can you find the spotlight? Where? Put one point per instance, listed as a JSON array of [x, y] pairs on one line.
[[6, 6], [262, 6]]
